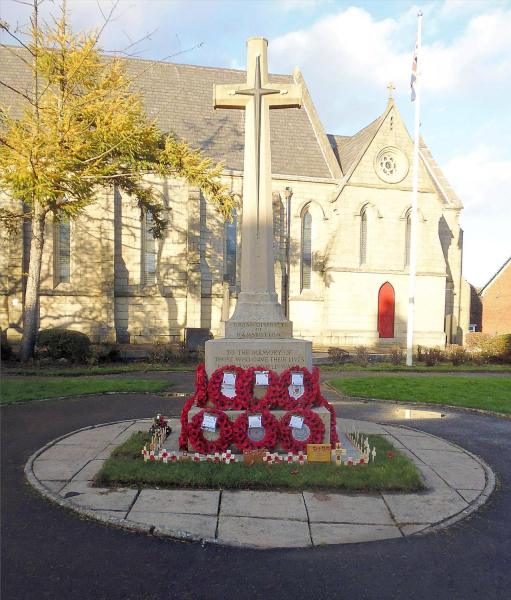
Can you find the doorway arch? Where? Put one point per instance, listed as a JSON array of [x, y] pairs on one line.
[[386, 310]]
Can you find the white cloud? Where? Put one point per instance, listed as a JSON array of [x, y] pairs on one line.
[[352, 47], [479, 57], [349, 46], [482, 180]]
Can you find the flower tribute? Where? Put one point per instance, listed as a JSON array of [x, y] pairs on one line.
[[210, 397]]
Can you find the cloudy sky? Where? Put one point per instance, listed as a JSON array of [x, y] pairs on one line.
[[348, 53]]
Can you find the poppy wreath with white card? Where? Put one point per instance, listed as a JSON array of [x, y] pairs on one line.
[[245, 389], [196, 432], [265, 436], [310, 389], [218, 398], [201, 385], [183, 437], [294, 439]]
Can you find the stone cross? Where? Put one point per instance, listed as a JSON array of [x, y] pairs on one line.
[[391, 88], [257, 268]]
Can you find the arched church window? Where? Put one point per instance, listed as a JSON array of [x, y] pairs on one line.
[[408, 235], [231, 230], [148, 251], [363, 238], [306, 255], [62, 252]]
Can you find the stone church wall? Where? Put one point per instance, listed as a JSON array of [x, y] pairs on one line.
[[110, 298]]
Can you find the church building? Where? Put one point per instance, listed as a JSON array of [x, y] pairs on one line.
[[341, 232]]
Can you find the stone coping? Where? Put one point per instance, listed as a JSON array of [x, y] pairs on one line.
[[457, 482]]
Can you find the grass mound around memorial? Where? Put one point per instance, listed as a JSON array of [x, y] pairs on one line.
[[390, 471]]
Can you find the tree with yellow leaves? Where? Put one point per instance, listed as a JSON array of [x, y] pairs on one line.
[[83, 128]]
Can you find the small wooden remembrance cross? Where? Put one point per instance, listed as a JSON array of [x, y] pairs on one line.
[[257, 269]]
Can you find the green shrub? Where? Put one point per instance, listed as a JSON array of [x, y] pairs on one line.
[[65, 343], [456, 354], [161, 353], [395, 355], [183, 355], [486, 348], [362, 355], [499, 350], [7, 352], [201, 355], [338, 356], [419, 353], [109, 352], [432, 356], [477, 340]]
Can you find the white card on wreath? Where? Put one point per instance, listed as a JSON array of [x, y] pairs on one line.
[[229, 379], [296, 422], [262, 378], [228, 390], [255, 421], [209, 422], [296, 391], [296, 378]]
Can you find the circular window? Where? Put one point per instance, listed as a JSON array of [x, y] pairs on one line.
[[391, 165]]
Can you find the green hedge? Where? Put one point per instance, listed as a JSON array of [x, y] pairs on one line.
[[65, 343]]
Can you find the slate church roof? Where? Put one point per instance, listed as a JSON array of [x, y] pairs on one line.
[[180, 98], [348, 148]]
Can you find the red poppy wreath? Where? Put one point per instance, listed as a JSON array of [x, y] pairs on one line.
[[245, 389], [296, 440], [196, 436], [201, 385], [265, 436], [310, 384], [215, 395], [183, 437]]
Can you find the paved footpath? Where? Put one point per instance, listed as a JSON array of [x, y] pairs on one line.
[[48, 552], [457, 483]]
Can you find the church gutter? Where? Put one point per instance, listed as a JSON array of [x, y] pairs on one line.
[[430, 171], [283, 177]]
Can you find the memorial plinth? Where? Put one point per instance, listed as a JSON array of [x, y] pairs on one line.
[[276, 355]]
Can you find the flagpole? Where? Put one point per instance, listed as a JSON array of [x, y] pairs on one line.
[[413, 232]]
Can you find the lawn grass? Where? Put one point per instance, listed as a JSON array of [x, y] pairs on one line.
[[87, 371], [37, 388], [38, 371], [127, 467], [418, 367], [472, 392]]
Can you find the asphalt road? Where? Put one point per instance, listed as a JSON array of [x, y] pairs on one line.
[[48, 552]]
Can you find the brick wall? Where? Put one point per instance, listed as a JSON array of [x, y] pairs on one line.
[[497, 303]]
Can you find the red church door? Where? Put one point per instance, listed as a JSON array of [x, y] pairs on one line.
[[386, 311]]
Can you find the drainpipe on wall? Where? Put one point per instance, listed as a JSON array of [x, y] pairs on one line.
[[289, 193]]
